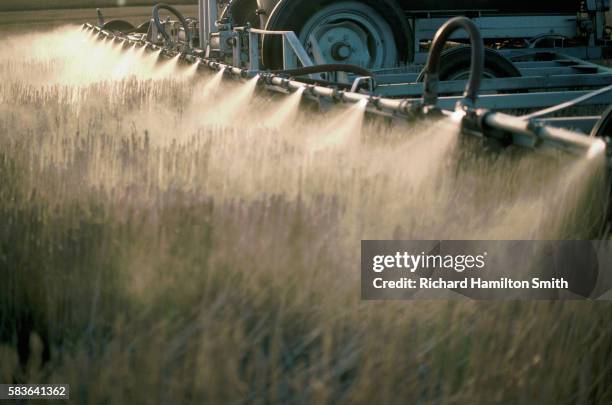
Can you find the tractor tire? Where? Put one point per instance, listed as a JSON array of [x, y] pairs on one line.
[[245, 12], [296, 15], [455, 64], [118, 26]]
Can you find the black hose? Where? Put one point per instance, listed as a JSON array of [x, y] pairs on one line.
[[430, 95], [334, 67], [160, 26], [603, 127]]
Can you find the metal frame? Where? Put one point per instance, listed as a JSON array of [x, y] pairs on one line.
[[563, 71], [491, 26], [529, 133], [502, 27], [474, 111], [292, 48], [560, 72], [207, 13]]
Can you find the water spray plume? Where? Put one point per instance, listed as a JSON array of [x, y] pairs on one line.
[[205, 91], [168, 68], [598, 148], [126, 64], [233, 104], [286, 111], [141, 51], [198, 209], [192, 70], [458, 114], [343, 130], [152, 60], [213, 84], [408, 179]]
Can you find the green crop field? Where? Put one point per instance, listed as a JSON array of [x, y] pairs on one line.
[[171, 238]]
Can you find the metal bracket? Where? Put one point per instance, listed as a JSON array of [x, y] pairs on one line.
[[361, 79]]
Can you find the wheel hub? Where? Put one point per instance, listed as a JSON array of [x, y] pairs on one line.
[[343, 42], [341, 51], [350, 32]]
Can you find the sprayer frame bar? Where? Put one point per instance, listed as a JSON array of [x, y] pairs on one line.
[[565, 72], [278, 83], [562, 71], [526, 133]]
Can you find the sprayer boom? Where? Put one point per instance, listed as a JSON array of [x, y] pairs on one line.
[[215, 40]]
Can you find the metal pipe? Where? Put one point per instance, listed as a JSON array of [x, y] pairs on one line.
[[162, 29], [531, 134], [212, 16], [203, 23], [354, 97], [432, 68], [376, 104], [522, 132]]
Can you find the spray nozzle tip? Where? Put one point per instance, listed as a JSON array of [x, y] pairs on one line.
[[597, 148]]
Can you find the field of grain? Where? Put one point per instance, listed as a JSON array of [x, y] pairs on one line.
[[169, 238], [28, 21], [28, 5]]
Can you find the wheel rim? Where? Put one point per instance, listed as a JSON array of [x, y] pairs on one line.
[[351, 33], [465, 74]]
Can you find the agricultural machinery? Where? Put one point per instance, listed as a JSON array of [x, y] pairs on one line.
[[406, 59]]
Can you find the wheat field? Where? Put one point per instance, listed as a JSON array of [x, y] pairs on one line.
[[167, 238], [28, 5]]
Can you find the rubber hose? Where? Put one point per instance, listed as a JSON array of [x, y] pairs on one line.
[[160, 26], [430, 95]]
